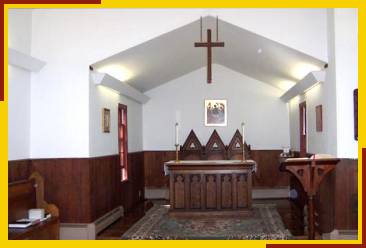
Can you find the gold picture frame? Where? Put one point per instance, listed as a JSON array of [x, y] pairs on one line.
[[106, 120]]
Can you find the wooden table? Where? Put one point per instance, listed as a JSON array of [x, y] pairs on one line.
[[210, 186], [310, 172]]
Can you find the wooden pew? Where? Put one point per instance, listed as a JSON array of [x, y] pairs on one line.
[[27, 194]]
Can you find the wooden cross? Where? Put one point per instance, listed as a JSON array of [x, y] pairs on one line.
[[209, 44]]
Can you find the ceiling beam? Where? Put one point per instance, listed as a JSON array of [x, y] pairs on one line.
[[119, 86], [24, 61], [310, 80]]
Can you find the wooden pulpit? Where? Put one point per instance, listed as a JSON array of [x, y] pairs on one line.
[[310, 172]]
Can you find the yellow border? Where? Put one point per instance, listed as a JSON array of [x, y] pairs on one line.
[[186, 4]]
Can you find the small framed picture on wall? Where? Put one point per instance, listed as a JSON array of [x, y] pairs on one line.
[[319, 118], [106, 120], [215, 113], [355, 113]]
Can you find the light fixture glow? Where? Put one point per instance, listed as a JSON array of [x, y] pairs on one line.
[[313, 88], [286, 84], [300, 70], [117, 71]]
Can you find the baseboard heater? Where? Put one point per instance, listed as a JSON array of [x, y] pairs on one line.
[[74, 231], [260, 193]]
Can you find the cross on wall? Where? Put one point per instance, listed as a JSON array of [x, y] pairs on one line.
[[209, 44]]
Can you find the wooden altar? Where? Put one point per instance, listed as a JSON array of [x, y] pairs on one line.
[[212, 186], [310, 172]]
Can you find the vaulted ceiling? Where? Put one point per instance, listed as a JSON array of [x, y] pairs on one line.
[[173, 54]]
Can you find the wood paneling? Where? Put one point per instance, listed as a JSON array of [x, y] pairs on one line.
[[67, 184], [18, 170], [154, 168], [85, 189], [268, 174], [346, 214], [105, 188], [133, 190]]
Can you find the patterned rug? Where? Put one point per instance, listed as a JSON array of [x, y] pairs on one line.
[[265, 223]]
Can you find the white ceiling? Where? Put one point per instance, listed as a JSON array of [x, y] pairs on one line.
[[173, 54]]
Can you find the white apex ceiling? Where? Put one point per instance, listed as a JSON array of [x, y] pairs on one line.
[[173, 55]]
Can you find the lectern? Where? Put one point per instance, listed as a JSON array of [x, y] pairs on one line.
[[310, 172]]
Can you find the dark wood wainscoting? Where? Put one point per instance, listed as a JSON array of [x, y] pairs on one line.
[[154, 168], [267, 176], [19, 170], [67, 184], [346, 192], [133, 190], [105, 180], [85, 189]]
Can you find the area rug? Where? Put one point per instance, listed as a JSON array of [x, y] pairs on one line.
[[264, 224]]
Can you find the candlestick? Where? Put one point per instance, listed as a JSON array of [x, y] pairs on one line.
[[176, 133], [176, 153], [243, 139]]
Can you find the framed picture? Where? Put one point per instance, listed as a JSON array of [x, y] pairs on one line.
[[319, 118], [355, 113], [106, 120], [215, 113]]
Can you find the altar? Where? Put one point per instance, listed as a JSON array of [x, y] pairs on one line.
[[210, 186]]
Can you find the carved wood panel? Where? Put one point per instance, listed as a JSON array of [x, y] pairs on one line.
[[179, 191], [215, 148], [192, 148], [235, 148], [211, 196], [195, 188], [226, 191], [242, 186]]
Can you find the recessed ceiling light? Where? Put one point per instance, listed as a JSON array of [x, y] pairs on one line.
[[259, 51]]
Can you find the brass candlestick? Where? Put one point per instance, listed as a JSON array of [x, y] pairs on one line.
[[176, 153], [243, 152]]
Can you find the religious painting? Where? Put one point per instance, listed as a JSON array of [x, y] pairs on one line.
[[106, 120], [215, 113]]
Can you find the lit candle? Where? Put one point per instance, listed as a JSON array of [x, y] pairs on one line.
[[176, 134], [242, 131]]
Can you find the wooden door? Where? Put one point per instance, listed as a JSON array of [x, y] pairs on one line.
[[303, 129]]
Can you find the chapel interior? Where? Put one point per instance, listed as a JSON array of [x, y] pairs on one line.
[[183, 123]]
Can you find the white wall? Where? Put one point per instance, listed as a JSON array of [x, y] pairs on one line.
[[317, 142], [248, 100], [69, 40], [19, 38], [335, 94], [107, 143], [346, 55]]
